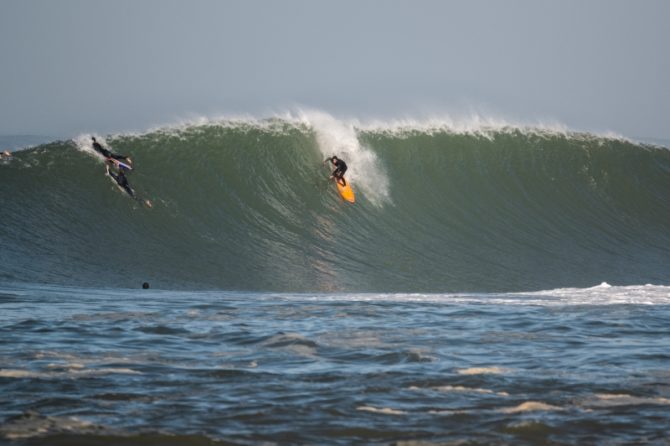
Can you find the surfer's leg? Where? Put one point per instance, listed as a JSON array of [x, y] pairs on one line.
[[339, 174]]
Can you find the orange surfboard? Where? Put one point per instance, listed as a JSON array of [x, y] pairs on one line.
[[346, 192]]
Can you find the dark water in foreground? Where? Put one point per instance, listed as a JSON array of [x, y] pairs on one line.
[[82, 366]]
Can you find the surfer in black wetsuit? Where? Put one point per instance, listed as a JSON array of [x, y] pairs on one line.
[[340, 168], [108, 154], [121, 180]]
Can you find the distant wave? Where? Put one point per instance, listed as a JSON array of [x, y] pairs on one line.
[[476, 205]]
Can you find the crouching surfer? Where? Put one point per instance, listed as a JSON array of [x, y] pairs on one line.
[[340, 169]]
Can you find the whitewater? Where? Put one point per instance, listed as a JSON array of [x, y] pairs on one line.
[[495, 283]]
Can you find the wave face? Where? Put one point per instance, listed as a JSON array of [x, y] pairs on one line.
[[245, 205]]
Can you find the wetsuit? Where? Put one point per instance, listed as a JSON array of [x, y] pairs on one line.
[[122, 181], [340, 168], [106, 153]]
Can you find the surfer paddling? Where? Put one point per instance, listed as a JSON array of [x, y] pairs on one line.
[[109, 154], [340, 168]]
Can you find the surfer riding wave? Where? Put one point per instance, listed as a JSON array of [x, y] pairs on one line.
[[340, 169]]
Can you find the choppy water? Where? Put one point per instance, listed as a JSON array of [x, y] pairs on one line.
[[113, 367]]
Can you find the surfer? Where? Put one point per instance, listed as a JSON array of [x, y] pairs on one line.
[[107, 153], [121, 180], [340, 168]]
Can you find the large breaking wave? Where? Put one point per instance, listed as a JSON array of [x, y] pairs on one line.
[[244, 204]]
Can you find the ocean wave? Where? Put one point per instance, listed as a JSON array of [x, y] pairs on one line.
[[241, 203]]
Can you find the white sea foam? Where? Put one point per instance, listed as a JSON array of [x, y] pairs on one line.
[[75, 371], [603, 294], [340, 138], [597, 401], [462, 389], [16, 373], [483, 371], [469, 123], [612, 400], [84, 144], [531, 406], [382, 410]]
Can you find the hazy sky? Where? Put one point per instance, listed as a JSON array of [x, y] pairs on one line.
[[72, 66]]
